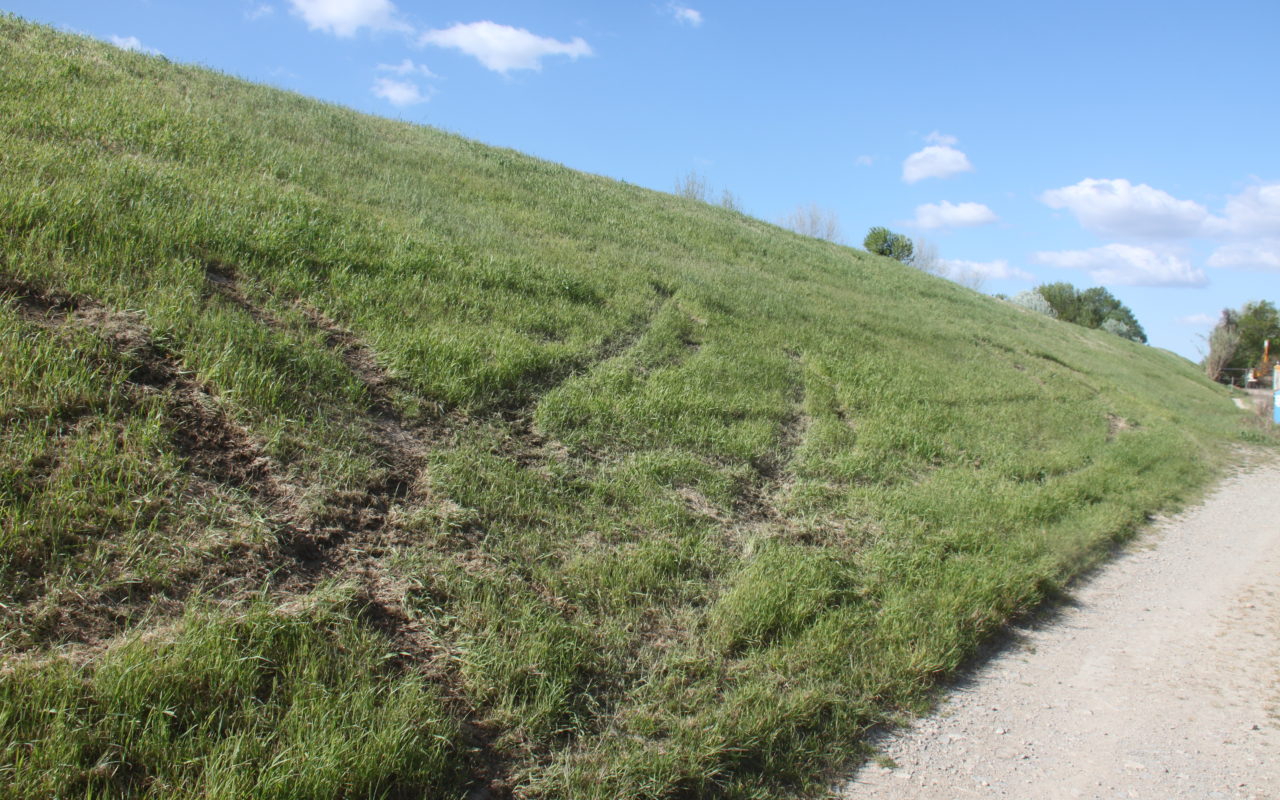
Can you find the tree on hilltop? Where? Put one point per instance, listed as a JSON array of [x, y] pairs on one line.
[[1092, 308], [884, 242]]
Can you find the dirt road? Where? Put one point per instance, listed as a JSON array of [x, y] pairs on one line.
[[1159, 679]]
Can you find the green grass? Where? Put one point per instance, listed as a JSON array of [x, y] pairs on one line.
[[349, 458]]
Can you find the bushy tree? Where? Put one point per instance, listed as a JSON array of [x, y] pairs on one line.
[[1092, 308], [1257, 322], [884, 242], [1062, 298]]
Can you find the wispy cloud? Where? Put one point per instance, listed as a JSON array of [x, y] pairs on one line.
[[259, 11], [1261, 255], [503, 48], [407, 67], [939, 159], [994, 270], [1127, 265], [1197, 320], [685, 15]]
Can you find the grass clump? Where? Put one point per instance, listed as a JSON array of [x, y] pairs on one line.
[[264, 702]]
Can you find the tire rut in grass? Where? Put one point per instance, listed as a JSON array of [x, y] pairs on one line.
[[343, 539], [353, 529], [215, 451], [349, 540], [357, 531], [757, 504]]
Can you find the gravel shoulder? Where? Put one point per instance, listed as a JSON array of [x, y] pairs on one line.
[[1158, 678]]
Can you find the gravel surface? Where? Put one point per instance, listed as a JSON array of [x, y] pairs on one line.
[[1159, 678]]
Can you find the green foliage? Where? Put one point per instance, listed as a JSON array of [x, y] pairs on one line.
[[884, 242], [650, 498], [1256, 323], [1092, 308]]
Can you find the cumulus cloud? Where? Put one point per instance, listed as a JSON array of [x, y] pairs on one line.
[[1253, 212], [407, 67], [502, 48], [864, 161], [1263, 254], [939, 159], [400, 93], [993, 270], [1127, 265], [1116, 207], [953, 215], [345, 17], [684, 15], [259, 11], [133, 43]]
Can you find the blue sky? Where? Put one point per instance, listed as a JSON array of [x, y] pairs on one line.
[[1132, 145]]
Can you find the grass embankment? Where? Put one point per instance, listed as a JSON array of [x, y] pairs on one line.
[[343, 457]]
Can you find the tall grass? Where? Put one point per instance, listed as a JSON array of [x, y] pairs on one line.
[[632, 496], [263, 703]]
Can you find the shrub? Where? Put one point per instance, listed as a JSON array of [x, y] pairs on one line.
[[884, 242], [1033, 301]]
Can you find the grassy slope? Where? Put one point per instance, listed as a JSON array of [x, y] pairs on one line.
[[347, 457]]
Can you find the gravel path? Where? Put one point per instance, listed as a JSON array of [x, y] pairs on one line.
[[1159, 679]]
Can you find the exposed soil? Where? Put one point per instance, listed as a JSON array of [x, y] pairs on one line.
[[757, 502], [1159, 678], [348, 539]]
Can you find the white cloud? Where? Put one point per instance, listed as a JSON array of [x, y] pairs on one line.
[[993, 270], [345, 17], [953, 215], [259, 11], [502, 48], [1253, 212], [1119, 208], [1126, 265], [940, 159], [407, 67], [132, 43], [1263, 254], [864, 161], [684, 15], [1197, 320], [400, 93]]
